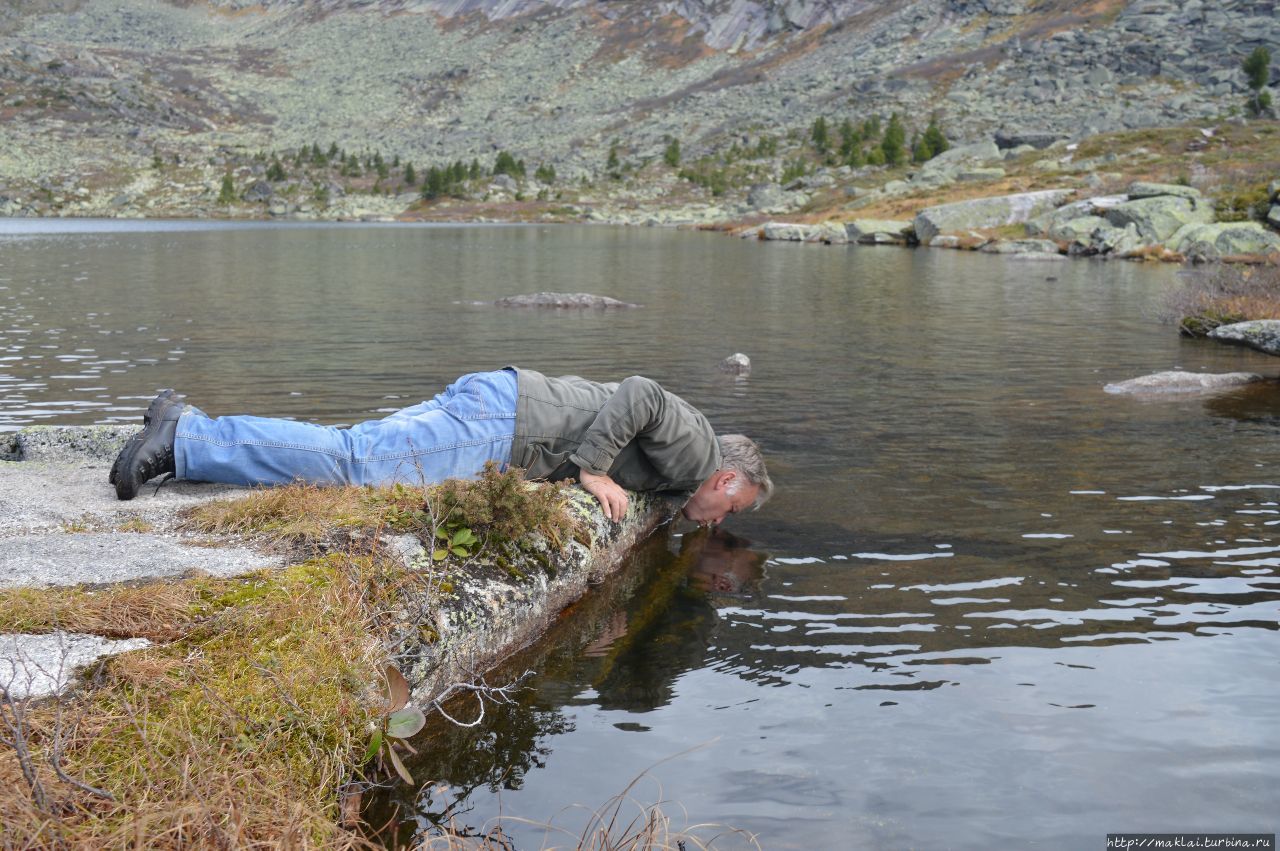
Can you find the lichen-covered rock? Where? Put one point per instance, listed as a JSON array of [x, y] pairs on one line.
[[563, 301], [1108, 240], [985, 212], [1273, 217], [1260, 334], [784, 232], [1073, 229], [1159, 217], [1142, 189], [259, 190], [1179, 381], [1224, 239], [1020, 246], [879, 231], [1038, 139], [736, 364]]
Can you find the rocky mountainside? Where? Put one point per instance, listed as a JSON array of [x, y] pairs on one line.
[[92, 90]]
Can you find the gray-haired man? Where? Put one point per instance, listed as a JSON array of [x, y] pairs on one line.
[[630, 435]]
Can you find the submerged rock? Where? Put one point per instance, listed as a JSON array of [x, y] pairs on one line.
[[736, 364], [1178, 381], [1260, 334], [1021, 246], [563, 301]]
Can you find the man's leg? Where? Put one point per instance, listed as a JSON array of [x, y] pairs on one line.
[[451, 436]]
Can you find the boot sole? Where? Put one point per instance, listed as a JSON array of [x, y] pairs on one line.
[[125, 456]]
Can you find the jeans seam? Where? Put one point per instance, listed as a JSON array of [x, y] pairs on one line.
[[275, 444]]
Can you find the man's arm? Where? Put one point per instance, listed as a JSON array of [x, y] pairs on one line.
[[675, 439]]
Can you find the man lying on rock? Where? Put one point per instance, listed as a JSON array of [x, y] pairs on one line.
[[632, 435]]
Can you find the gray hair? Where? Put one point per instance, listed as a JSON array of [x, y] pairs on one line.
[[741, 455]]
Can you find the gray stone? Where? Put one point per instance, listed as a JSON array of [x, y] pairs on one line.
[[563, 301], [986, 212], [1260, 334], [879, 231], [784, 232], [1038, 139], [1179, 381], [1224, 239], [736, 364], [39, 665], [1143, 189], [504, 183], [1159, 217], [1077, 228], [1020, 246], [259, 190], [1273, 216], [977, 152]]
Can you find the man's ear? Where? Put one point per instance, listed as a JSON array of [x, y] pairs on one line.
[[724, 478]]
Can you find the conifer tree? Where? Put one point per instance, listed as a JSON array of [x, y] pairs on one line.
[[410, 176], [818, 133], [228, 193], [476, 172], [671, 156], [1257, 68], [895, 137], [935, 139]]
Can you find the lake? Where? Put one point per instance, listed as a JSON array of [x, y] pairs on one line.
[[989, 603]]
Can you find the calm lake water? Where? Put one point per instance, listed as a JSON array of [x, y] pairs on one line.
[[989, 603]]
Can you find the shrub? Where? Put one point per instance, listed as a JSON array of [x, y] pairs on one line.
[[1243, 205], [1221, 294], [228, 193], [895, 138], [671, 156], [502, 509], [410, 176], [545, 174], [1257, 69], [819, 134]]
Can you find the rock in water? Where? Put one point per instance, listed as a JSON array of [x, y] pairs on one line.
[[1177, 381], [563, 301], [736, 364], [1260, 334]]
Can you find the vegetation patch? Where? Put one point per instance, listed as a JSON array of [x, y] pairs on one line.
[[255, 717], [1222, 294]]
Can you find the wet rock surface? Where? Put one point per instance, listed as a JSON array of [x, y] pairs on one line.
[[564, 301], [1179, 381], [1260, 334]]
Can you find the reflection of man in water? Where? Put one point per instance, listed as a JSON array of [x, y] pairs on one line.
[[725, 563]]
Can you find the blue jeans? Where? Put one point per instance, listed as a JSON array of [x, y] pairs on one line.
[[450, 436]]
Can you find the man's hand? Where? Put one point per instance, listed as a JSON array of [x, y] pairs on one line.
[[613, 499]]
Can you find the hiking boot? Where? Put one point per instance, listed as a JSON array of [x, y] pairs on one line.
[[155, 406], [150, 453]]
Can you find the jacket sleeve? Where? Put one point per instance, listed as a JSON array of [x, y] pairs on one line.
[[674, 437]]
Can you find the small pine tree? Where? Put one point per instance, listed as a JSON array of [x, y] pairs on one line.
[[871, 128], [818, 133], [395, 162], [855, 158], [613, 163], [505, 164], [410, 176], [876, 157], [475, 172], [671, 156], [276, 172], [228, 193], [935, 138], [895, 137], [1257, 68], [920, 149], [545, 174]]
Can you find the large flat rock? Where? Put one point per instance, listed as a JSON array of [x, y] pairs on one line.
[[1260, 334], [1179, 381], [986, 212]]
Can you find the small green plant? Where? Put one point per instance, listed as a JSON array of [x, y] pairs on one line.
[[895, 138], [227, 195], [671, 156], [819, 135], [794, 169], [399, 723], [455, 540], [546, 173], [275, 171], [1257, 68], [410, 176]]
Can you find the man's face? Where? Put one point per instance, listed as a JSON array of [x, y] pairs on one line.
[[723, 494]]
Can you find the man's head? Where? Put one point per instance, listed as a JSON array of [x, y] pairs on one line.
[[742, 483]]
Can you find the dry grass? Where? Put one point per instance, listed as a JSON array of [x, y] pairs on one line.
[[1221, 294], [238, 733]]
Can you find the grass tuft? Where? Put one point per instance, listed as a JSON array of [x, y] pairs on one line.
[[1221, 294]]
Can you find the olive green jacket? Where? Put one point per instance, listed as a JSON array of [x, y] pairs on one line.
[[643, 437]]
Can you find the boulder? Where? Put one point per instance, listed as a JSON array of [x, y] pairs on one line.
[[1142, 189], [768, 197], [784, 232], [1260, 334], [1159, 217], [1106, 239], [1073, 229], [978, 152], [736, 364], [259, 190], [1179, 381], [1211, 242], [1020, 246], [1038, 139], [1273, 217], [878, 231], [985, 212], [504, 183], [563, 300]]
